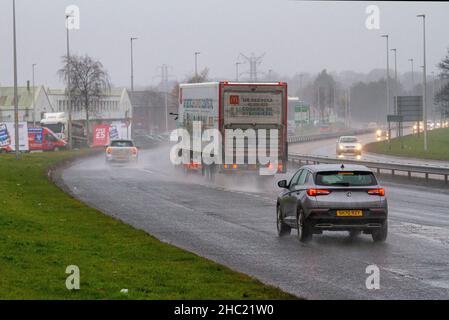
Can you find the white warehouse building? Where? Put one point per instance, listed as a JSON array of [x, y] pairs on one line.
[[113, 106]]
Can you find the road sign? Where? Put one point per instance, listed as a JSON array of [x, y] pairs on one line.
[[394, 118], [301, 112], [410, 108]]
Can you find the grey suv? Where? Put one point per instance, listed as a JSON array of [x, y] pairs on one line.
[[332, 198]]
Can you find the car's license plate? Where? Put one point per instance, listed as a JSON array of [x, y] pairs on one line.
[[349, 213]]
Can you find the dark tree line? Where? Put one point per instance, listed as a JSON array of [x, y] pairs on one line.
[[442, 95]]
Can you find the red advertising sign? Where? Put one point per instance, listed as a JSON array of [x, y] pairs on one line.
[[101, 135]]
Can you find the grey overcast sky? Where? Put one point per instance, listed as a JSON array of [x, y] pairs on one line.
[[297, 36]]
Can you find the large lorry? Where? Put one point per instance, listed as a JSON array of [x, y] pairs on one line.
[[57, 122], [236, 111]]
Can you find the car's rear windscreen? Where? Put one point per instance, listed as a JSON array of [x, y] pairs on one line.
[[122, 144], [345, 178]]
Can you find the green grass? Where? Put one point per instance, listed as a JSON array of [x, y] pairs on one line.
[[43, 230], [438, 146]]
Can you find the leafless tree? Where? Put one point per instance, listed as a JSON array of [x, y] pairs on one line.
[[203, 76], [89, 81], [173, 103]]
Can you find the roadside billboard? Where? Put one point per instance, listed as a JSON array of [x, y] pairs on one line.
[[7, 136], [101, 135], [119, 130], [104, 133], [410, 108]]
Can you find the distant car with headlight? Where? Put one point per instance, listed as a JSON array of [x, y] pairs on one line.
[[381, 134], [349, 145], [415, 128], [121, 151], [332, 197]]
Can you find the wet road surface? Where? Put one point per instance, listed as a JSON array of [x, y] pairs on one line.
[[233, 222]]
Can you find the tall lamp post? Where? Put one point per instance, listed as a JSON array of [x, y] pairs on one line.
[[196, 64], [34, 96], [413, 73], [423, 16], [132, 64], [395, 64], [395, 91], [237, 71], [433, 96], [388, 73], [16, 103], [69, 94]]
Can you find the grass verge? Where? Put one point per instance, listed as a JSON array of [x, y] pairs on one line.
[[438, 146], [43, 230]]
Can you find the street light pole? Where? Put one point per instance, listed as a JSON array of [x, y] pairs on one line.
[[395, 64], [388, 73], [165, 84], [423, 16], [196, 65], [69, 94], [433, 96], [16, 102], [413, 74], [34, 97], [132, 64], [395, 92], [237, 71], [301, 77]]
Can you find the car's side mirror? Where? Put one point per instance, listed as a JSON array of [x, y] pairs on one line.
[[283, 184]]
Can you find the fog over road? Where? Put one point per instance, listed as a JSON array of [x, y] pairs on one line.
[[233, 222]]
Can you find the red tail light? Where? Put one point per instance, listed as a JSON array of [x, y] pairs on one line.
[[108, 150], [280, 167], [193, 165], [318, 192], [377, 192], [134, 151]]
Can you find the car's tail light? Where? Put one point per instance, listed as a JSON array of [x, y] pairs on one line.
[[377, 192], [318, 192], [108, 150], [235, 166], [225, 166], [192, 165], [280, 167], [134, 151]]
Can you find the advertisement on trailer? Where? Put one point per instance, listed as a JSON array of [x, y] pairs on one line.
[[104, 133], [7, 136]]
